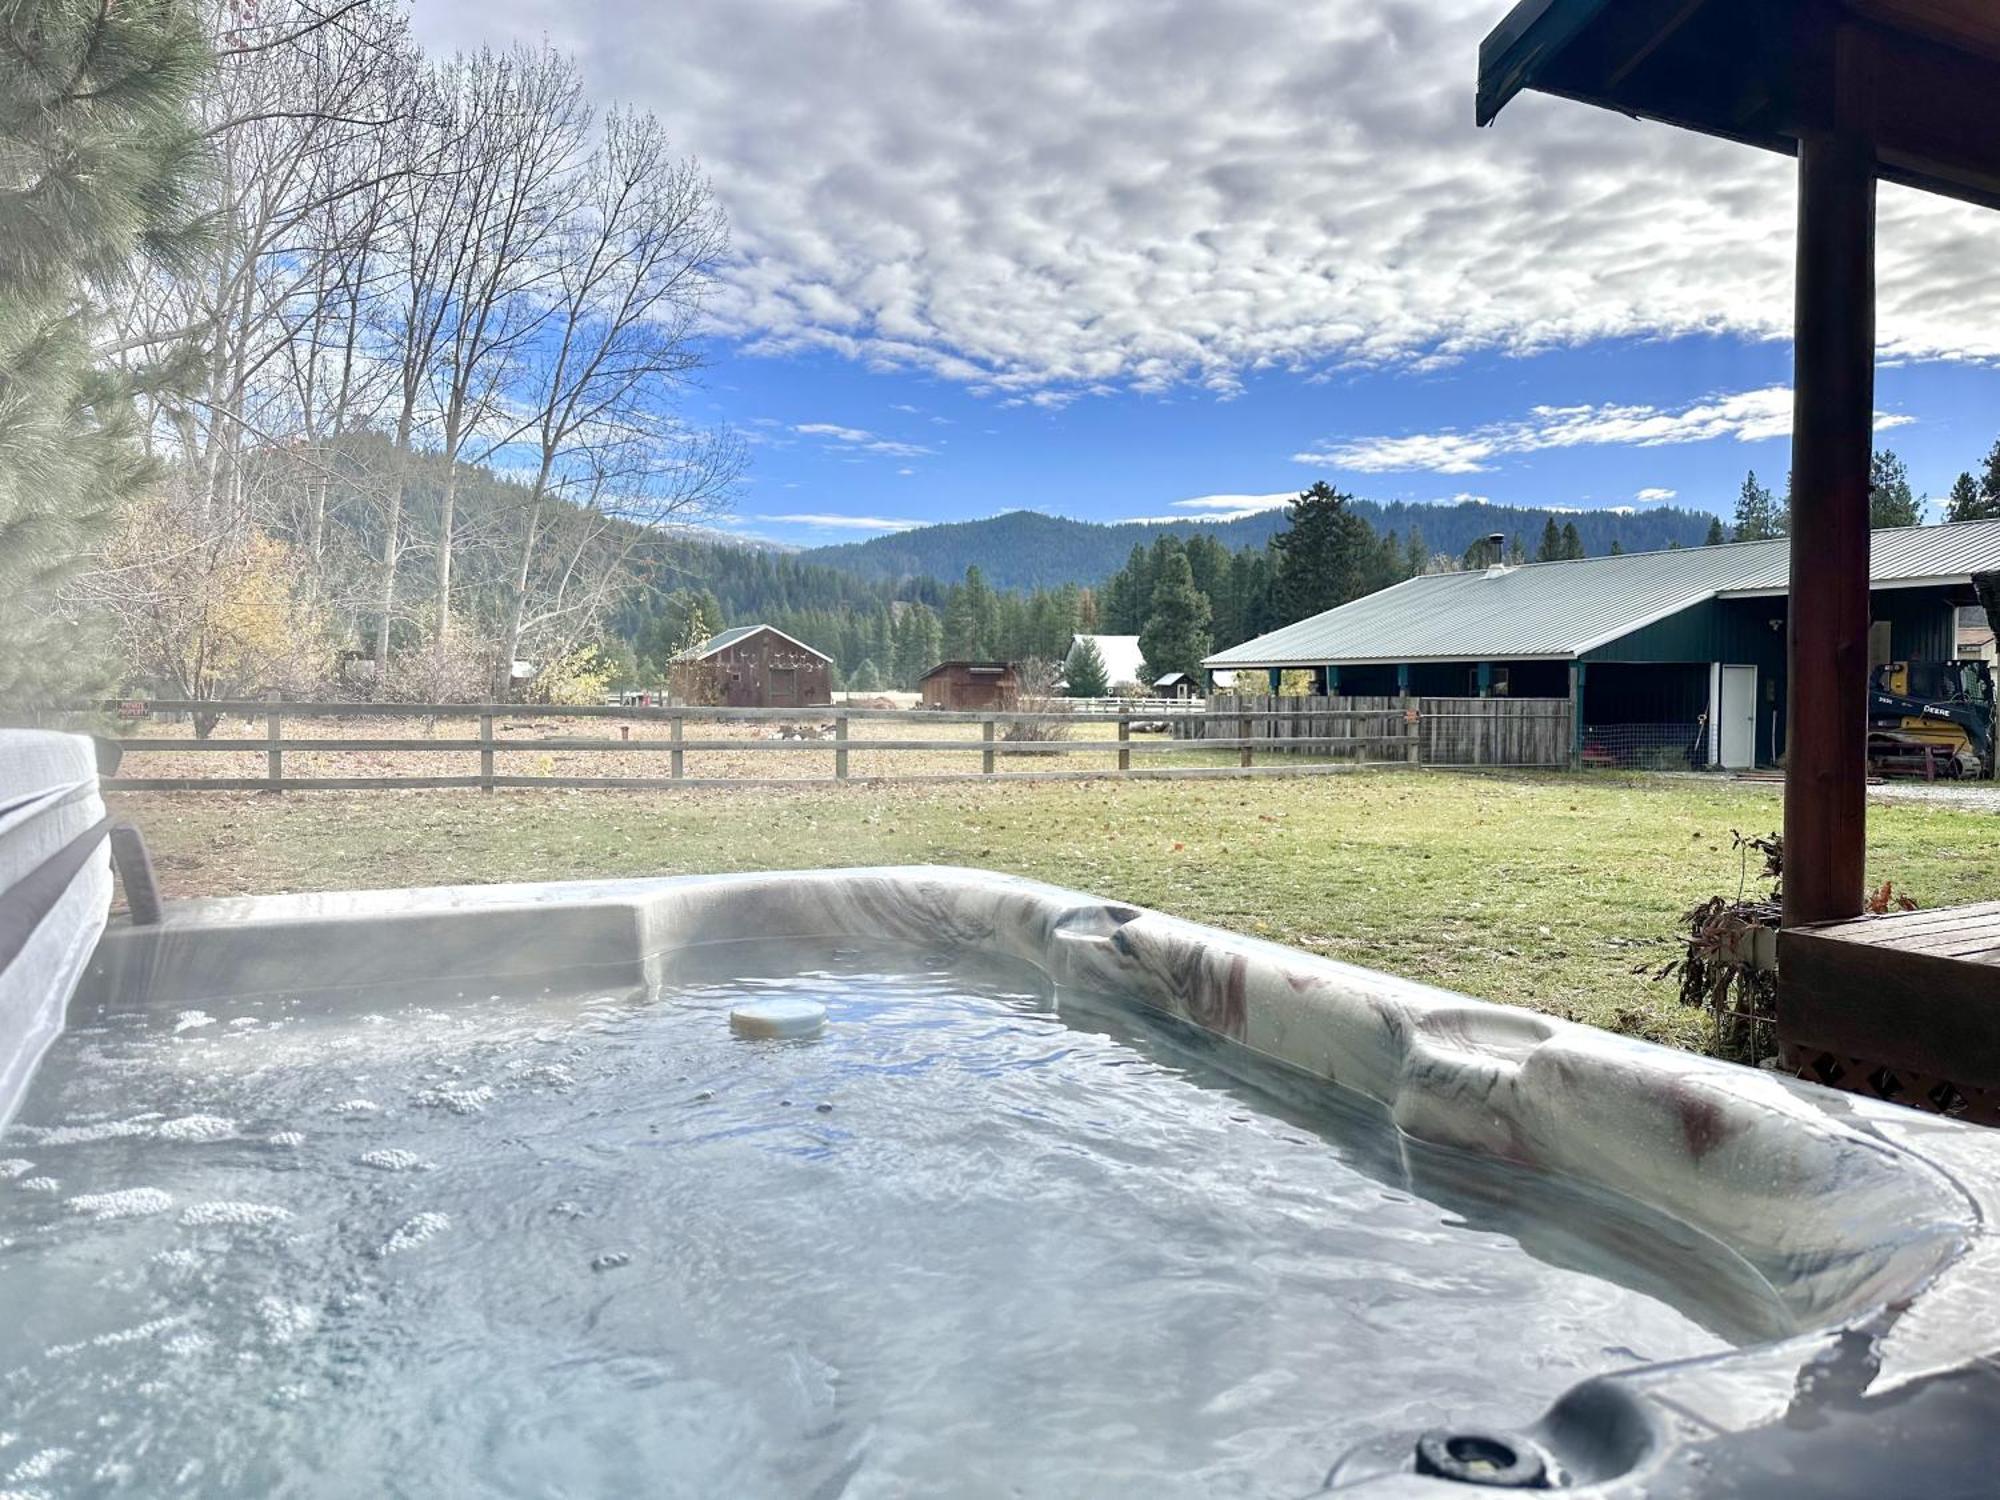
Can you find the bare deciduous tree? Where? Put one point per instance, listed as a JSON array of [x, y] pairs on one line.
[[598, 387]]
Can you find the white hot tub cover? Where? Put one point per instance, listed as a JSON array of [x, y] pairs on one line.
[[48, 797]]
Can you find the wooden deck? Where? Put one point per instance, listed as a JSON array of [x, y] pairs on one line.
[[1905, 1007]]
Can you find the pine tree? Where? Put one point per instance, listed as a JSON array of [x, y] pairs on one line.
[[1516, 553], [1572, 544], [102, 159], [865, 679], [970, 620], [1176, 636], [1085, 671], [1964, 503], [1551, 547], [918, 644], [1977, 499], [1416, 554], [1891, 502], [1716, 535], [1324, 555], [1756, 512], [1617, 548]]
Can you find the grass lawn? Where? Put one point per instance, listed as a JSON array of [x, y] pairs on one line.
[[1541, 890]]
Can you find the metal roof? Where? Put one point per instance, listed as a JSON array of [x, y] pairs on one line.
[[736, 633], [1562, 610]]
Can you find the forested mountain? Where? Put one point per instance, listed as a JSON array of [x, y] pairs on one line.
[[1025, 549]]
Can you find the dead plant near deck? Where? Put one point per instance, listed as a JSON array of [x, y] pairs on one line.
[[1728, 963]]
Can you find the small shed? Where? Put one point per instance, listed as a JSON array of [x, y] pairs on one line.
[[755, 666], [1178, 685], [979, 685]]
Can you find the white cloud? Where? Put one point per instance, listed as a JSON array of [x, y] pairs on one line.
[[855, 437], [845, 523], [1232, 507], [1655, 496], [1747, 416], [1034, 196]]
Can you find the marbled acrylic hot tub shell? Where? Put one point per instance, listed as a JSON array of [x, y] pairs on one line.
[[1869, 1222]]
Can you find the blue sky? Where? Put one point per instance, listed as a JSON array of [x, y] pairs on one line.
[[841, 451], [1107, 257]]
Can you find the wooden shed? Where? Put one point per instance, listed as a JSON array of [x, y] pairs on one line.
[[755, 666], [971, 684]]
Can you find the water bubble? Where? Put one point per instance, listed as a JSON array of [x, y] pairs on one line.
[[40, 1185], [285, 1138], [393, 1159], [413, 1232], [286, 1322], [126, 1203], [460, 1101], [230, 1212], [196, 1128], [611, 1260], [357, 1107], [14, 1167], [39, 1465]]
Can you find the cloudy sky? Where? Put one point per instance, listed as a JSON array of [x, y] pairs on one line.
[[1119, 258]]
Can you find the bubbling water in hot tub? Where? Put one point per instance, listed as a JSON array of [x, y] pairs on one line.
[[973, 1238]]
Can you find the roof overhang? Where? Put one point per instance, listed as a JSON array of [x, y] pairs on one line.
[[1880, 585], [1760, 72], [1287, 663]]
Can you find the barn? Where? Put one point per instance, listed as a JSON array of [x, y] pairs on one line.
[[979, 685], [1679, 652], [755, 666]]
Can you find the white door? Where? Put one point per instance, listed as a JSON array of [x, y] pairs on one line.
[[1736, 719]]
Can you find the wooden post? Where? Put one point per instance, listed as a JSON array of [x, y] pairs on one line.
[[1246, 726], [986, 734], [677, 757], [274, 758], [1125, 743], [1833, 413], [1413, 730], [1576, 676], [840, 746], [486, 752]]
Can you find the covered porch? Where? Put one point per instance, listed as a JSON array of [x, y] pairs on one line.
[[1859, 91]]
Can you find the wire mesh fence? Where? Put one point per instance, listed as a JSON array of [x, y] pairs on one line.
[[1673, 746]]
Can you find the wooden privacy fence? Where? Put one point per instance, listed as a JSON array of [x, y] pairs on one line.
[[1348, 733], [1524, 732]]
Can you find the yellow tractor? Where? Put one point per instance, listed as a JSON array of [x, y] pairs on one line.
[[1931, 718]]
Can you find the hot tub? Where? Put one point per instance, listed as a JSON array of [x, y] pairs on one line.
[[478, 1190]]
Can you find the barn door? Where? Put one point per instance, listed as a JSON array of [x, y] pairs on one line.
[[784, 687]]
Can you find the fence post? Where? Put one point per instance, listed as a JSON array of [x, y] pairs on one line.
[[486, 752], [840, 746], [986, 734], [1245, 725], [274, 758], [1413, 732], [1124, 743], [677, 758]]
